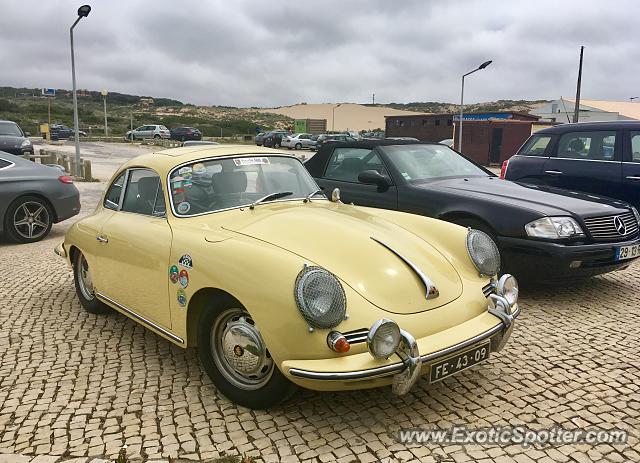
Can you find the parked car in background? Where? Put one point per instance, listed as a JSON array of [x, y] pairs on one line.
[[33, 197], [199, 142], [274, 138], [63, 132], [260, 138], [354, 134], [185, 133], [297, 141], [313, 141], [375, 135], [447, 142], [234, 251], [600, 158], [402, 138], [148, 131], [542, 233], [332, 137], [13, 140]]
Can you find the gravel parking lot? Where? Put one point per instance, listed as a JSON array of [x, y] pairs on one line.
[[74, 384]]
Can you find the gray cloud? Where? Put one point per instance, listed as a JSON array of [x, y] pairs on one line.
[[248, 53]]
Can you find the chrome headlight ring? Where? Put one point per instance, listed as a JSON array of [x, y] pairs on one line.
[[320, 297]]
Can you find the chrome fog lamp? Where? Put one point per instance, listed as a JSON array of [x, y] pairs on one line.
[[383, 338], [320, 297], [483, 252], [507, 287]]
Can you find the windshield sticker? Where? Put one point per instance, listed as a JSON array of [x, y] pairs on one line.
[[406, 176], [183, 207], [184, 170], [199, 168], [177, 179], [173, 274], [184, 278], [186, 261], [182, 298], [250, 161], [188, 183]]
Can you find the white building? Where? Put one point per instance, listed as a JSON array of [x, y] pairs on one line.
[[590, 111]]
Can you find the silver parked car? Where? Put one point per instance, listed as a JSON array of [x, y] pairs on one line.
[[33, 197], [148, 131], [297, 141]]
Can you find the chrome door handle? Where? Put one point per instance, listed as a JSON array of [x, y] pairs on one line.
[[553, 172], [102, 239], [632, 177]]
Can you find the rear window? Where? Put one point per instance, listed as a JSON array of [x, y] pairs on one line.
[[536, 145]]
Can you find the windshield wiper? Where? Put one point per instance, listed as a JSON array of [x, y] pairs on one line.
[[312, 194], [270, 197]]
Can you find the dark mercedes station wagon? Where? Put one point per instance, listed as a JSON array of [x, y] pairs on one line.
[[542, 233]]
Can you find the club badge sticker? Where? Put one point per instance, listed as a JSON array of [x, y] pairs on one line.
[[186, 261], [182, 298], [183, 278], [173, 274]]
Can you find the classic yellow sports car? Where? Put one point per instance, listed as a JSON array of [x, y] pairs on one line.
[[235, 250]]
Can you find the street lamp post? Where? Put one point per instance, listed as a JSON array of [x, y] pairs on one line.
[[333, 117], [104, 94], [482, 66], [83, 12]]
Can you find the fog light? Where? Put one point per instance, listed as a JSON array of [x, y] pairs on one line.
[[383, 338], [507, 287], [337, 342]]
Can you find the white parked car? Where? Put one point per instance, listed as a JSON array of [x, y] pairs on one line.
[[297, 141], [148, 131]]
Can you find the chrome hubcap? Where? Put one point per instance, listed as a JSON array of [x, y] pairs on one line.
[[85, 281], [239, 351], [31, 220]]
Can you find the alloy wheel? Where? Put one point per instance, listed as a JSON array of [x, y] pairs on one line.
[[31, 220]]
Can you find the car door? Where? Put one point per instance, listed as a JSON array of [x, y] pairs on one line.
[[342, 170], [631, 168], [589, 161], [133, 268]]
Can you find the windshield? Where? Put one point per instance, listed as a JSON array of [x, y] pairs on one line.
[[424, 162], [208, 186], [11, 129]]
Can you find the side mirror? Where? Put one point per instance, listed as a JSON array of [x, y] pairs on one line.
[[373, 177]]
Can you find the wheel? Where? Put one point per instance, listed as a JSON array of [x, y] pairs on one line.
[[28, 219], [276, 145], [84, 286], [298, 146], [156, 136], [182, 139], [237, 360]]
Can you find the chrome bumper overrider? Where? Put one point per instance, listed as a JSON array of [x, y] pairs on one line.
[[406, 373]]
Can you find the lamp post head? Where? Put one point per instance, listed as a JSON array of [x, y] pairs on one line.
[[485, 64], [104, 93], [84, 11]]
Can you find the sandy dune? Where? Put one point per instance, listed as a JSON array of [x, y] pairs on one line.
[[349, 116]]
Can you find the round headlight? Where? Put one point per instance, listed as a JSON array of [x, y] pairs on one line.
[[383, 338], [507, 287], [320, 297], [483, 252]]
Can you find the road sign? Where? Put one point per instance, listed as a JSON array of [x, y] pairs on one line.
[[48, 92]]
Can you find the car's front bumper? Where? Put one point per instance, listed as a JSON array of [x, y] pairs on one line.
[[543, 260], [360, 371]]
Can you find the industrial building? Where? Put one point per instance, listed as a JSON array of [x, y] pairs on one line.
[[562, 110]]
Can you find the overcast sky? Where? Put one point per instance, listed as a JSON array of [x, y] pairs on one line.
[[257, 53]]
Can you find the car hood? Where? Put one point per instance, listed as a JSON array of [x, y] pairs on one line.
[[339, 238], [11, 141], [543, 199]]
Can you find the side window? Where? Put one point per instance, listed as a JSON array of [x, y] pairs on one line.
[[4, 163], [143, 188], [112, 199], [346, 163], [596, 145], [535, 146], [635, 146]]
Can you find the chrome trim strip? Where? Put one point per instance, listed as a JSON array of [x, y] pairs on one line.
[[141, 318], [388, 370], [579, 159], [431, 290]]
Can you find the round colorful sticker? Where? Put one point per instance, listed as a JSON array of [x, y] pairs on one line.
[[173, 273], [184, 278], [182, 298], [184, 207]]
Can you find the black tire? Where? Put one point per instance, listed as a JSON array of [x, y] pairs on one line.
[[37, 216], [483, 227], [275, 389], [156, 136], [298, 146], [89, 302]]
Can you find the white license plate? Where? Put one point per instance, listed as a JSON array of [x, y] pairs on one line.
[[627, 252]]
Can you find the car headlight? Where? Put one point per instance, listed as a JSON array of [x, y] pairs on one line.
[[25, 143], [553, 228], [636, 214], [507, 287], [383, 338], [320, 297], [483, 252]]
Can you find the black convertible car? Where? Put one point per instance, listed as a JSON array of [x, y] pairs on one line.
[[542, 233]]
